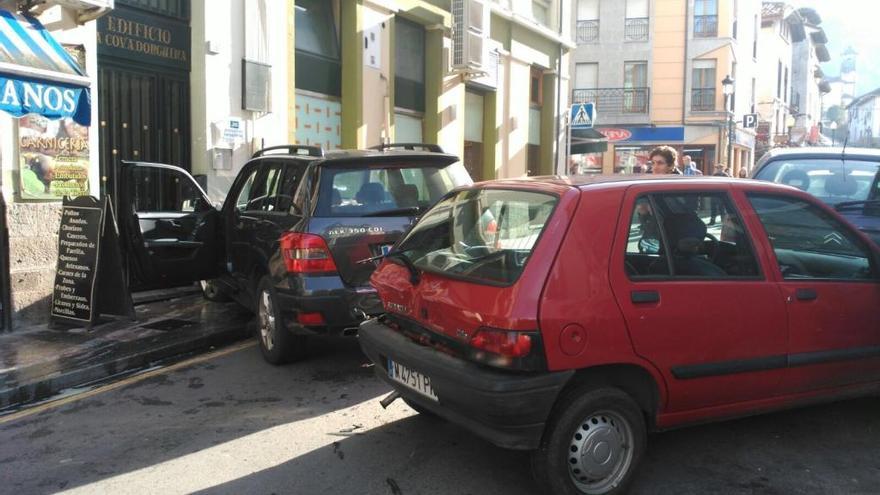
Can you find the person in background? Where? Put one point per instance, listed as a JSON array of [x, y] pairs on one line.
[[663, 160], [690, 168], [720, 171], [743, 173]]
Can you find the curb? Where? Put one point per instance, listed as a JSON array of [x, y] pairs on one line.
[[50, 385]]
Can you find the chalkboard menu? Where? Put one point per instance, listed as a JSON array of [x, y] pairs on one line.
[[89, 279]]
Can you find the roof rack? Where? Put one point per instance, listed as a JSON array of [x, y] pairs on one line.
[[433, 148], [293, 149]]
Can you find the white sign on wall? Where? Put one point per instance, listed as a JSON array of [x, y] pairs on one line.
[[229, 133]]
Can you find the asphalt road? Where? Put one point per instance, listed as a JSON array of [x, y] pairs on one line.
[[230, 423]]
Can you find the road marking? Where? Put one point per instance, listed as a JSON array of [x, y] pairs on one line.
[[53, 404]]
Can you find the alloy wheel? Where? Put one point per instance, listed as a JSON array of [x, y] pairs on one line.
[[267, 320]]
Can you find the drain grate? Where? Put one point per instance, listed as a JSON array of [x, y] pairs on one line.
[[169, 324]]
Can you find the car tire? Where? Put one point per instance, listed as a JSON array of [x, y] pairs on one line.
[[277, 343], [605, 423], [213, 291]]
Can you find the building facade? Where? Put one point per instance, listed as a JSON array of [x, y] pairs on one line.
[[657, 67], [204, 84], [864, 120], [808, 84]]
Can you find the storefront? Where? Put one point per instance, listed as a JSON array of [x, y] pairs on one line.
[[46, 148]]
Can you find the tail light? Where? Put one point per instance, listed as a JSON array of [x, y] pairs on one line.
[[508, 349], [306, 253], [502, 342], [310, 319]]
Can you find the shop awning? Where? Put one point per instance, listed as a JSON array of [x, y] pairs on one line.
[[37, 75], [587, 141]]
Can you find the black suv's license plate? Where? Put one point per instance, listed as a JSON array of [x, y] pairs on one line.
[[411, 379]]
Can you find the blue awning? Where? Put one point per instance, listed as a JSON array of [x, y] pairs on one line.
[[37, 75]]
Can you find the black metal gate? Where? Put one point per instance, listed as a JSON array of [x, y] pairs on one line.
[[144, 116]]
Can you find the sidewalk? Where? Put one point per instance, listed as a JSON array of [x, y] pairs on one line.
[[37, 363]]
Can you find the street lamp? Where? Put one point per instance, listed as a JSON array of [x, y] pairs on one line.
[[727, 88]]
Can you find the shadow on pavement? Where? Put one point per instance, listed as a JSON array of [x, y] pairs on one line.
[[174, 414]]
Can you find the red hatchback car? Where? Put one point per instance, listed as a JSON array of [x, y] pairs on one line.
[[572, 316]]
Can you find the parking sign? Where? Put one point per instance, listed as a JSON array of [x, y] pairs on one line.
[[750, 120]]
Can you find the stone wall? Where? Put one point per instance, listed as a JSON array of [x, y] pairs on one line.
[[33, 249]]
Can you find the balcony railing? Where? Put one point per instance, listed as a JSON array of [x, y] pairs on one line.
[[615, 101], [705, 26], [703, 99], [636, 29], [587, 31]]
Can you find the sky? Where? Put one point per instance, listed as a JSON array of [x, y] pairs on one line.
[[851, 23]]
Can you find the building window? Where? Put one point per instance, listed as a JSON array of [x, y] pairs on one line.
[[586, 76], [587, 21], [541, 11], [755, 39], [785, 87], [409, 65], [533, 148], [636, 27], [703, 86], [635, 82], [735, 17], [317, 47], [705, 18], [779, 80]]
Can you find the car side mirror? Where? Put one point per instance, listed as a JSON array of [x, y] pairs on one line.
[[201, 205]]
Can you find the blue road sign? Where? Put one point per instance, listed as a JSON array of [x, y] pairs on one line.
[[583, 115]]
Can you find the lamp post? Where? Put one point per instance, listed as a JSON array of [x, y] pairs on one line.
[[727, 88]]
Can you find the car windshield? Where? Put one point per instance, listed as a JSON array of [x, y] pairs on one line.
[[482, 235], [831, 180], [391, 190]]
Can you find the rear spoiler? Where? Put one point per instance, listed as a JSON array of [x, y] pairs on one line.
[[432, 148], [293, 149]]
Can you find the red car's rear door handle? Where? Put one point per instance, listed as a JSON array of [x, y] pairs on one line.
[[805, 294], [644, 296]]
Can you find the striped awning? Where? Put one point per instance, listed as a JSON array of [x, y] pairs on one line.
[[37, 75]]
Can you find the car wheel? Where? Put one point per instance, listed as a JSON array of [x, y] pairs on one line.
[[212, 291], [277, 343], [592, 444]]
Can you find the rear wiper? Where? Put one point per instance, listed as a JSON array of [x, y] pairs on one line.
[[403, 259], [856, 204], [410, 210]]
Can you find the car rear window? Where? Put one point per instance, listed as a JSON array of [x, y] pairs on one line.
[[481, 235], [831, 180], [385, 190]]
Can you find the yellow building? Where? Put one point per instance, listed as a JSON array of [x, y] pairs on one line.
[[655, 68], [369, 72]]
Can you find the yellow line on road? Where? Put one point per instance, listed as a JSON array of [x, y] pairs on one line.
[[126, 381]]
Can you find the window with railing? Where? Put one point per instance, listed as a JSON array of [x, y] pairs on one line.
[[636, 29], [636, 24], [635, 79], [615, 101], [705, 18], [703, 86], [587, 30]]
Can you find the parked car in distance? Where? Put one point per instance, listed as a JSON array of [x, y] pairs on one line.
[[847, 179], [295, 238], [589, 311]]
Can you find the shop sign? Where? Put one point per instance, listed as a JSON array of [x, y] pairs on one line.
[[20, 97], [663, 135], [616, 134], [54, 158], [138, 36], [743, 138]]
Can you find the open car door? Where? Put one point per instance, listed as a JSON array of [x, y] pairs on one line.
[[169, 227]]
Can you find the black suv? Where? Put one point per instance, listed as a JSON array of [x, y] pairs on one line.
[[297, 238]]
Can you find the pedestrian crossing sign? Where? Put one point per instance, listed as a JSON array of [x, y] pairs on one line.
[[583, 115]]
